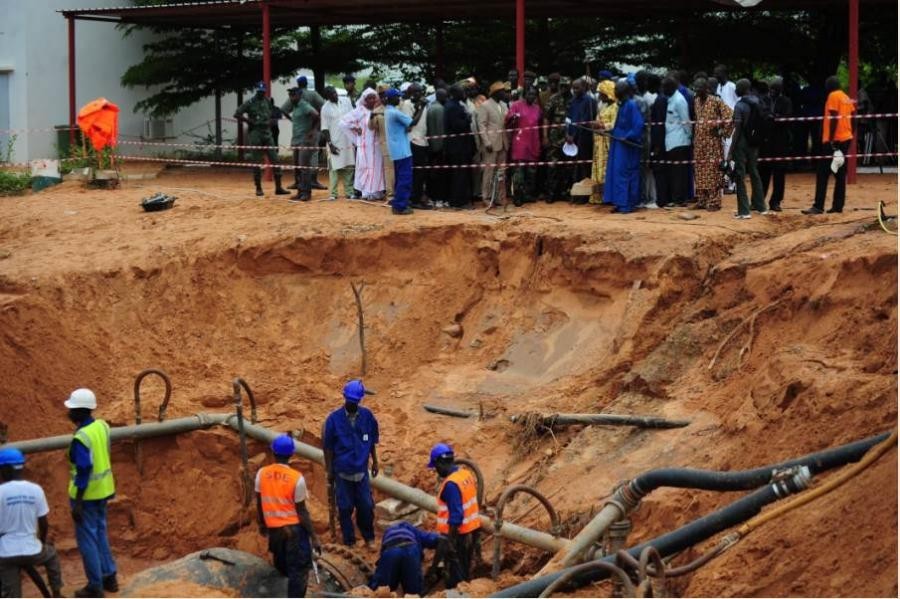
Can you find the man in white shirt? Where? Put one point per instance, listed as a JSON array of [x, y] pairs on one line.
[[341, 153], [23, 528], [726, 91], [418, 144]]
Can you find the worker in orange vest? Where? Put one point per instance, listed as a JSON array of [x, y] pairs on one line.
[[283, 516], [457, 517]]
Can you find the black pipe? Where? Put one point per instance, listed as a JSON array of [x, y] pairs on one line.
[[668, 544], [744, 480]]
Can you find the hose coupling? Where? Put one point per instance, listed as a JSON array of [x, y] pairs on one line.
[[791, 480]]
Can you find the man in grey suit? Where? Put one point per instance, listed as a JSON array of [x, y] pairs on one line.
[[491, 122]]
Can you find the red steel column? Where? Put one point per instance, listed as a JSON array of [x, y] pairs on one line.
[[520, 40], [72, 115], [267, 49], [853, 60]]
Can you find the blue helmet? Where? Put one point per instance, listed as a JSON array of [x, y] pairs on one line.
[[283, 445], [260, 87], [355, 391], [441, 450], [12, 457]]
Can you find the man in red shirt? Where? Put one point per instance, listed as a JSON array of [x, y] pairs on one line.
[[837, 133]]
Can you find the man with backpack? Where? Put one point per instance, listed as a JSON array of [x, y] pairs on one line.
[[749, 131]]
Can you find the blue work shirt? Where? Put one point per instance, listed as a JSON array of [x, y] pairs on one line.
[[404, 532], [452, 496], [396, 124], [81, 457], [678, 129], [351, 443]]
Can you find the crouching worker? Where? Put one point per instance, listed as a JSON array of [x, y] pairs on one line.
[[283, 516], [23, 528], [457, 517], [400, 561]]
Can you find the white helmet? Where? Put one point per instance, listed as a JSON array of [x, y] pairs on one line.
[[82, 398]]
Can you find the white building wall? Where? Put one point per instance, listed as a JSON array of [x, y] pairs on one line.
[[34, 49]]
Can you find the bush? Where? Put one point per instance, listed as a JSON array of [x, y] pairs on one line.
[[13, 183]]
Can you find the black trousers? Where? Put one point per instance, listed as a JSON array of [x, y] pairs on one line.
[[420, 158], [823, 172], [678, 176], [460, 568], [773, 171], [437, 181], [303, 177]]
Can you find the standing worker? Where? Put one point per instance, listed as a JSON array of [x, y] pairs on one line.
[[457, 516], [283, 517], [259, 133], [400, 561], [91, 486], [23, 528], [349, 437], [304, 137]]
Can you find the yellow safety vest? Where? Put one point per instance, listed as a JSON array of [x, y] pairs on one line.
[[101, 485]]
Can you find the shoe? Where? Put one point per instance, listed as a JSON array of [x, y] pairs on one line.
[[651, 206], [259, 192], [764, 212], [111, 584], [775, 208], [300, 197], [291, 186], [89, 591], [404, 212], [423, 206], [332, 199], [833, 211], [713, 208], [742, 216], [317, 185], [812, 210], [56, 593]]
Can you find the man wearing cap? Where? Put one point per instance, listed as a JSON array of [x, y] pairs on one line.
[[350, 87], [458, 516], [398, 125], [258, 111], [91, 486], [491, 122], [283, 517], [349, 437], [559, 176], [304, 137], [23, 528]]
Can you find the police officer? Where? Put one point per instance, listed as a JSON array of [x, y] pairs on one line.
[[400, 560], [259, 127], [282, 515], [559, 175], [458, 516], [349, 437], [91, 486]]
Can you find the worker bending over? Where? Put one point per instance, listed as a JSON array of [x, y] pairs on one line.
[[91, 486], [457, 515], [400, 561], [282, 515], [23, 528], [349, 437]]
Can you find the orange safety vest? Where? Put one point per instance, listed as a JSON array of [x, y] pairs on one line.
[[468, 488], [277, 483]]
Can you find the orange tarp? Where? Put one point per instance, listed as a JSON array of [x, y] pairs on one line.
[[99, 121]]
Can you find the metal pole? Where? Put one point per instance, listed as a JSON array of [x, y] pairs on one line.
[[72, 115], [853, 60], [520, 40]]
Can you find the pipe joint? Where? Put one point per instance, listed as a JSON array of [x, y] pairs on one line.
[[791, 480]]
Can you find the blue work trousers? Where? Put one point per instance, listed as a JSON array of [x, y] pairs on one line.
[[93, 543], [401, 565], [291, 554], [403, 179], [351, 496]]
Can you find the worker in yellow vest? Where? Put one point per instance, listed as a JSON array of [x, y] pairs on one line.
[[283, 516], [91, 486], [457, 517]]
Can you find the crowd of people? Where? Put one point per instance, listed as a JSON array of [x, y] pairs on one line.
[[637, 140]]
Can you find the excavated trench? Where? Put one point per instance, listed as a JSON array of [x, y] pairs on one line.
[[497, 321]]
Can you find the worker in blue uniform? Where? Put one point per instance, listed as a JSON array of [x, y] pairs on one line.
[[400, 561], [349, 437]]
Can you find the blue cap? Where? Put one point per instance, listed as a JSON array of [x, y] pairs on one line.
[[441, 450], [604, 74], [349, 77], [302, 80], [261, 86], [355, 390], [12, 457], [392, 92], [283, 445]]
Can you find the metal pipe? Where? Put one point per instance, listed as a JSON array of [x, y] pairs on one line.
[[505, 496], [250, 396], [479, 478], [520, 41], [137, 393]]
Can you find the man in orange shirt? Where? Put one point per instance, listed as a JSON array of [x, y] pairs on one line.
[[837, 132], [282, 515]]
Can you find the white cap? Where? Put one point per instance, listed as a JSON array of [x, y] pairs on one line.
[[82, 398]]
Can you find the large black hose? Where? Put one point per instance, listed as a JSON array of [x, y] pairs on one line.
[[670, 543], [703, 528]]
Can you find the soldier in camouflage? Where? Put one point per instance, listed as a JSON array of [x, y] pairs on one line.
[[559, 176], [259, 133]]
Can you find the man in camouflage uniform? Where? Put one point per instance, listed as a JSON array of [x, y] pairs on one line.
[[259, 133], [559, 176]]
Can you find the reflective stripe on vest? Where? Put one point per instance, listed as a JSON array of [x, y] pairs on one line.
[[468, 489], [101, 483], [277, 486]]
